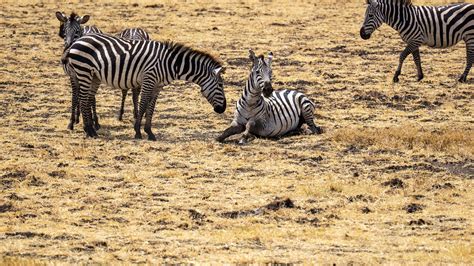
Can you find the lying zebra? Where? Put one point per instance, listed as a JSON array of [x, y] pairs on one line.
[[276, 114], [70, 30]]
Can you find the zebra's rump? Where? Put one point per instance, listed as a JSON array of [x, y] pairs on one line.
[[285, 112], [115, 61]]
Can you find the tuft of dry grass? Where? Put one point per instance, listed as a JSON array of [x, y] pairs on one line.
[[459, 141]]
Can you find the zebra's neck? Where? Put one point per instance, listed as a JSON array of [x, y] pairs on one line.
[[399, 16], [251, 94], [192, 66]]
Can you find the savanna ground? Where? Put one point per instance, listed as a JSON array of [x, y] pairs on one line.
[[390, 181]]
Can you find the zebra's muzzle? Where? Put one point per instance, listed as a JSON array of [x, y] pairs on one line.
[[267, 89], [364, 35], [220, 108]]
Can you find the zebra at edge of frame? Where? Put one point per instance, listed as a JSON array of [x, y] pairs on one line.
[[127, 64], [434, 26], [273, 114]]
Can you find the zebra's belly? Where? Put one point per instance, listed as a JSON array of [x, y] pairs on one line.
[[270, 128]]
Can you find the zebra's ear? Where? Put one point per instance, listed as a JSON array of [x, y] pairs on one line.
[[218, 71], [372, 2], [61, 17], [83, 19], [270, 58], [252, 55]]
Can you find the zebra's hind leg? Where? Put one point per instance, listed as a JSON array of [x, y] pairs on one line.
[[86, 99], [403, 55], [94, 113], [75, 112], [308, 116], [469, 58], [122, 106], [417, 59]]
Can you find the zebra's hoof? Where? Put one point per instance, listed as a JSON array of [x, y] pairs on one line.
[[395, 79], [462, 79], [243, 142], [97, 126], [420, 77], [70, 126], [151, 137], [138, 135], [317, 130]]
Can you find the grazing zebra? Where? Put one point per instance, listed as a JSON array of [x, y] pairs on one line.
[[276, 114], [126, 64], [70, 30], [435, 26]]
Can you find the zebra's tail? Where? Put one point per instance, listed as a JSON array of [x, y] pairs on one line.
[[65, 62]]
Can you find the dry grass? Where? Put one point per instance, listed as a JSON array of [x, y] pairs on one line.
[[389, 182]]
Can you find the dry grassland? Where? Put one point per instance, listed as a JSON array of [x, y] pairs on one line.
[[390, 181]]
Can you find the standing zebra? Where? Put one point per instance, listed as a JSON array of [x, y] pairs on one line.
[[126, 64], [70, 30], [276, 114], [435, 26], [139, 35]]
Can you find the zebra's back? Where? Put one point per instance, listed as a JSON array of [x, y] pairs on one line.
[[91, 30], [115, 61], [134, 34], [444, 26]]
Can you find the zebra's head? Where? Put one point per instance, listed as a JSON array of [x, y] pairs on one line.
[[373, 19], [70, 28], [213, 89], [262, 73]]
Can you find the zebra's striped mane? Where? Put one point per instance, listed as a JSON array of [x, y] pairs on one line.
[[72, 16], [178, 46], [403, 2]]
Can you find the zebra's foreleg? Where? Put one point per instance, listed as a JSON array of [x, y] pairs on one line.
[[403, 55], [469, 59], [122, 106], [232, 130], [247, 136], [149, 114], [417, 59], [135, 94], [148, 86]]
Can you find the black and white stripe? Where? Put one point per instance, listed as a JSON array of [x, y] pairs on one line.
[[276, 114], [139, 35], [126, 64], [434, 26]]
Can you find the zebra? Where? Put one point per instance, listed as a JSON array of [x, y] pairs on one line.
[[134, 34], [126, 64], [138, 34], [70, 29], [434, 26], [273, 114]]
